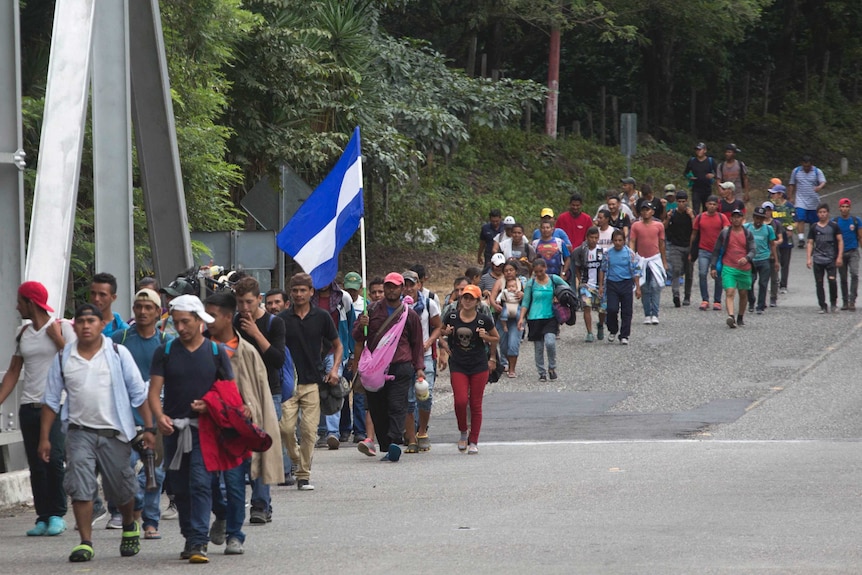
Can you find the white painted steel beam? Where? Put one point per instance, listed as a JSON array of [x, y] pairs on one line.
[[155, 137], [62, 138], [112, 149], [11, 190]]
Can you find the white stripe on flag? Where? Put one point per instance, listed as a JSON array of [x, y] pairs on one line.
[[321, 248]]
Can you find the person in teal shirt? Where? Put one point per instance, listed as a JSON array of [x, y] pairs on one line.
[[765, 247], [537, 308], [103, 294]]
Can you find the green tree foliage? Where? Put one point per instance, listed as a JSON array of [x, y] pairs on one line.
[[312, 70]]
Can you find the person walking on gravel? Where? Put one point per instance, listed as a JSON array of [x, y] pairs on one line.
[[537, 308], [803, 189], [825, 254], [732, 256]]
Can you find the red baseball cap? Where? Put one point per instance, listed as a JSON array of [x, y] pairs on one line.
[[36, 293], [844, 202], [394, 278]]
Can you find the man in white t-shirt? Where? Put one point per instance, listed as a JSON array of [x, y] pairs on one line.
[[102, 385], [429, 315], [36, 345]]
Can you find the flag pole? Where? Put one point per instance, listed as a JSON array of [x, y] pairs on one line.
[[364, 269]]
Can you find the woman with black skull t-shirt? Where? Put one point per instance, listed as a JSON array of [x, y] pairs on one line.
[[468, 333]]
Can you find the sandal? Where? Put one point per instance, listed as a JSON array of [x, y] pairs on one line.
[[152, 533], [424, 442], [512, 374], [82, 553], [412, 448], [130, 544], [462, 445]]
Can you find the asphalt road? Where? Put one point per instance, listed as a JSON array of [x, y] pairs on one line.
[[696, 449]]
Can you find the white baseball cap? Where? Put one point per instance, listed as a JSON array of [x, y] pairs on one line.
[[192, 304], [498, 259], [509, 221]]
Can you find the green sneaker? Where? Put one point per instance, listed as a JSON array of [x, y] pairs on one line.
[[600, 333], [81, 553], [130, 544], [590, 338]]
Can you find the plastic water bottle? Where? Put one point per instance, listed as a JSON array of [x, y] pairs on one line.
[[422, 389]]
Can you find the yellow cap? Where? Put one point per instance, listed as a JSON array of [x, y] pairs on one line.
[[547, 213]]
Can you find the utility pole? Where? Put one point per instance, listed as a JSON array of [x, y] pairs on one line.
[[553, 84]]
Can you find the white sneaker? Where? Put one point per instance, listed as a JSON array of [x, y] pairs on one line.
[[611, 337], [648, 320], [624, 341], [655, 320]]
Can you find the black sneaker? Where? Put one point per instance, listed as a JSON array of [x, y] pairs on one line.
[[186, 552], [823, 309], [552, 373], [676, 302], [259, 516], [739, 320], [686, 301], [198, 554], [288, 480], [801, 244], [304, 485], [542, 377]]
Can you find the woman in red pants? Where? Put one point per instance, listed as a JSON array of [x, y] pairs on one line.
[[469, 332]]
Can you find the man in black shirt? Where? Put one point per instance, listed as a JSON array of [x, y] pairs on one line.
[[309, 330], [647, 196], [700, 173], [678, 227], [265, 333], [187, 367]]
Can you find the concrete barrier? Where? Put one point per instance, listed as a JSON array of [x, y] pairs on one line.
[[15, 488]]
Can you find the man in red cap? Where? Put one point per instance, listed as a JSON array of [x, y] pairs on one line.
[[388, 405], [36, 345], [851, 228]]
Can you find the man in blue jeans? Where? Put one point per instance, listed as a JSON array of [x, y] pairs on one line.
[[187, 372], [263, 469], [761, 268], [705, 229]]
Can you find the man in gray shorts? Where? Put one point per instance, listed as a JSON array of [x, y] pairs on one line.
[[102, 385]]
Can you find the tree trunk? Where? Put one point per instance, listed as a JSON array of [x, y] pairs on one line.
[[551, 102], [766, 92], [746, 86], [825, 76], [785, 61], [603, 119], [471, 56], [693, 112], [615, 117]]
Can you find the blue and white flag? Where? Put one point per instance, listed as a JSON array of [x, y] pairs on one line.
[[329, 217]]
